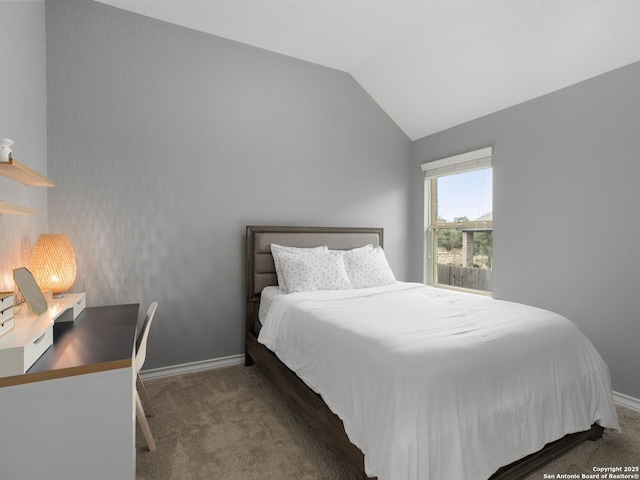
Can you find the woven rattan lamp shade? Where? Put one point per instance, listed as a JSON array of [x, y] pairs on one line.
[[53, 263]]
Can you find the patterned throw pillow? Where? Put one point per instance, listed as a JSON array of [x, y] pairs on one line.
[[368, 267], [277, 250], [314, 271]]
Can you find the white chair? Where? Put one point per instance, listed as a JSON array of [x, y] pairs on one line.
[[141, 393]]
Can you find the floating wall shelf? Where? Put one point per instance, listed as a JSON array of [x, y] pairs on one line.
[[24, 174], [10, 209]]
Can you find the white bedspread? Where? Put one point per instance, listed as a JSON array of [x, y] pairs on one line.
[[433, 384]]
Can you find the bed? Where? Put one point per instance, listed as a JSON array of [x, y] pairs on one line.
[[415, 443]]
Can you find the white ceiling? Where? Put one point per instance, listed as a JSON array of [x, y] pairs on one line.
[[430, 64]]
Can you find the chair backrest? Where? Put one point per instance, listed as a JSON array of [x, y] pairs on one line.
[[141, 343]]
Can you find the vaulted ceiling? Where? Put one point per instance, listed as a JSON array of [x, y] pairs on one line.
[[430, 64]]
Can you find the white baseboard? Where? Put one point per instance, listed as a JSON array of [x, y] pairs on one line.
[[627, 401], [192, 367]]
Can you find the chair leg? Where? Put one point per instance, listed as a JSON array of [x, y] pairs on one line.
[[144, 425], [144, 397]]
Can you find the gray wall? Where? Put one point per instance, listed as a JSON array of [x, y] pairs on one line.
[[566, 191], [166, 142], [23, 119]]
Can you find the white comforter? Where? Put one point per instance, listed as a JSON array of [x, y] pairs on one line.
[[432, 384]]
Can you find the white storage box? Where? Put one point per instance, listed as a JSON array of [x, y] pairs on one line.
[[6, 300], [6, 313], [6, 326]]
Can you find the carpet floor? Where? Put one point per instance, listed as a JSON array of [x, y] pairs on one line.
[[232, 424]]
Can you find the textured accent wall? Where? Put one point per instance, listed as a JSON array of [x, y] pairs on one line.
[[165, 142], [23, 119], [566, 188]]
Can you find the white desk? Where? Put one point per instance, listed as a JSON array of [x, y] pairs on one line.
[[72, 415]]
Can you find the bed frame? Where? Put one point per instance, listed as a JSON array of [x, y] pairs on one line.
[[261, 273]]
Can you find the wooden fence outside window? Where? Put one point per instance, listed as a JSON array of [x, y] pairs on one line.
[[465, 277]]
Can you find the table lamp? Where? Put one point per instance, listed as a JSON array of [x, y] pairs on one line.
[[53, 263]]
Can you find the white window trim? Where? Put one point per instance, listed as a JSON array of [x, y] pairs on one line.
[[464, 162]]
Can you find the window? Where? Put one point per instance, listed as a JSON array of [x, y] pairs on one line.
[[459, 221]]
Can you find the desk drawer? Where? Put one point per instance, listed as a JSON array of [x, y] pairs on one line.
[[6, 326], [79, 306], [6, 314], [6, 300], [34, 349]]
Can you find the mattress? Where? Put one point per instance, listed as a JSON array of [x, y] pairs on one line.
[[267, 297], [434, 384]]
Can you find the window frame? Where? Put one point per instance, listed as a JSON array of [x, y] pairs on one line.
[[465, 162]]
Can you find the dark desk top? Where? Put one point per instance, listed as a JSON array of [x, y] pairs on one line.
[[100, 339]]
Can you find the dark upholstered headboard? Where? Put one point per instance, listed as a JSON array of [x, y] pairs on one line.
[[261, 270]]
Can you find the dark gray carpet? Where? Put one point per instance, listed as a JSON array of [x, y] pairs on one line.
[[232, 424]]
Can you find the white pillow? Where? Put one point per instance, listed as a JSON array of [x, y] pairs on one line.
[[367, 267], [276, 250], [366, 248], [314, 271]]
